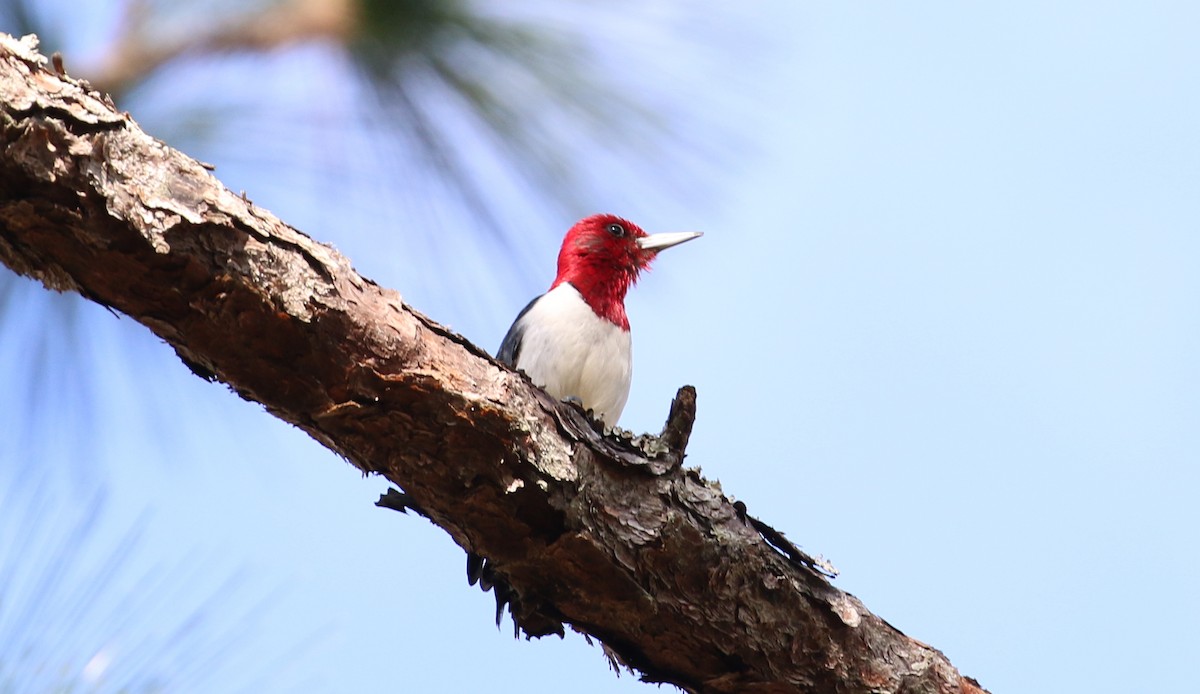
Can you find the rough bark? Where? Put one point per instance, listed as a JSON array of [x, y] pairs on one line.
[[605, 533]]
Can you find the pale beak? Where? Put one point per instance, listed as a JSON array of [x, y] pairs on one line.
[[658, 242]]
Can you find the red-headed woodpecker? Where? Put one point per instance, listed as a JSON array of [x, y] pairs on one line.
[[574, 339]]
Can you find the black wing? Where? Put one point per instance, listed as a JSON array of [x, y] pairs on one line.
[[510, 347]]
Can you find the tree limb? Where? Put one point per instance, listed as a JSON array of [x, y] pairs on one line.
[[608, 534], [143, 46]]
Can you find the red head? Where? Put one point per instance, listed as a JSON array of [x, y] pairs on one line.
[[602, 256]]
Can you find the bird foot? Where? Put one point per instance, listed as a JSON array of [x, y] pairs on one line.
[[578, 402]]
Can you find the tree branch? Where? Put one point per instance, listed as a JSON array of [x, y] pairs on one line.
[[143, 46], [609, 534]]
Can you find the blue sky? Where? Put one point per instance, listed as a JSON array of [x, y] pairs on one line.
[[943, 324]]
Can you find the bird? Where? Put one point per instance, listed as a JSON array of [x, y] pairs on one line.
[[574, 340]]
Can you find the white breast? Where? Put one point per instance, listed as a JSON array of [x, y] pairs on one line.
[[570, 351]]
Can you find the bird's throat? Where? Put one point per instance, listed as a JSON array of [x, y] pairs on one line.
[[605, 297]]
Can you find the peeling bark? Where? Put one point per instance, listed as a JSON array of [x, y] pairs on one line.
[[607, 534]]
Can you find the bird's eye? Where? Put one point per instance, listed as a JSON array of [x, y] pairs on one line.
[[617, 230]]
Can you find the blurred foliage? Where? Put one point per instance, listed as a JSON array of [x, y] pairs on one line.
[[453, 83], [82, 611]]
